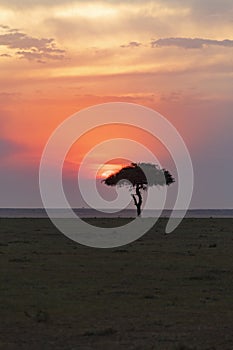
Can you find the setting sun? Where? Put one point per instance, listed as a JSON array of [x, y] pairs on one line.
[[108, 169], [107, 173]]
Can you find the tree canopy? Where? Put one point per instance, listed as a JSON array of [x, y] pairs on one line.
[[144, 174]]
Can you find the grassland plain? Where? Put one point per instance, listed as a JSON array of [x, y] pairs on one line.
[[161, 292]]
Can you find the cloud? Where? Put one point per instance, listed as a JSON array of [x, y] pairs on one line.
[[34, 55], [51, 3], [4, 27], [132, 44], [5, 55], [211, 8], [33, 3], [190, 43], [28, 47], [208, 11]]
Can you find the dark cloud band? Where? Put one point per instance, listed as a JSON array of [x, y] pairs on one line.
[[28, 47], [190, 43]]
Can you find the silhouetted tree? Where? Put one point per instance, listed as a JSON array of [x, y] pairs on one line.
[[140, 176]]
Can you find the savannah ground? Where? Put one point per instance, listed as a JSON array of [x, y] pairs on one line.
[[161, 292]]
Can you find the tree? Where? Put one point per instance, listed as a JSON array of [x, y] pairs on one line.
[[140, 176]]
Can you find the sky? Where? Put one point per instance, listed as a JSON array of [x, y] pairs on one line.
[[58, 57]]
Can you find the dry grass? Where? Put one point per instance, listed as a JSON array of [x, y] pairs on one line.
[[160, 292]]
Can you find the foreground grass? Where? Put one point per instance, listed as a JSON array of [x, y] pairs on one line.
[[160, 292]]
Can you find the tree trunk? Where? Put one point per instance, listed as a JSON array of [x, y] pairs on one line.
[[138, 202]]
